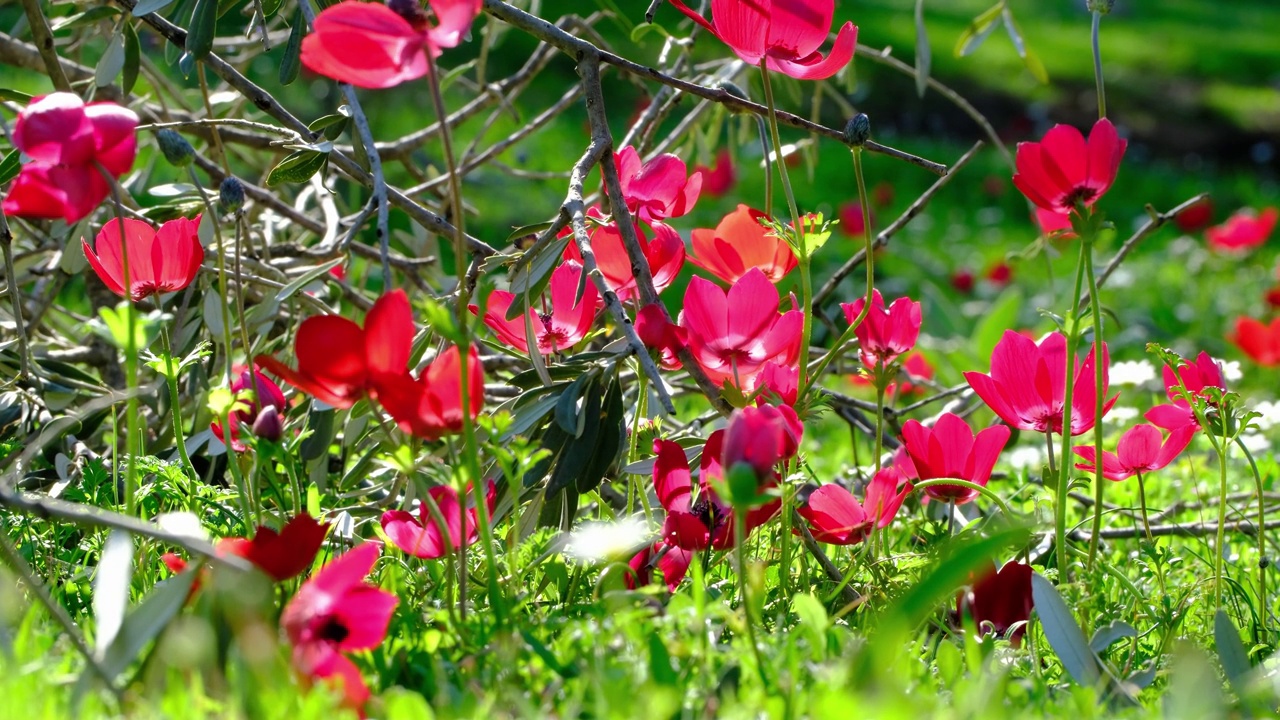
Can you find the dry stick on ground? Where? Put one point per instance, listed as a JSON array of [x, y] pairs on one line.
[[575, 209], [1246, 527], [580, 49]]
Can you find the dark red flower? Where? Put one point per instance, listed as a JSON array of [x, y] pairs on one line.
[[1000, 274], [962, 280], [661, 335], [159, 261], [851, 220], [1261, 342], [285, 554], [761, 437], [256, 393], [430, 406], [1064, 170], [719, 180], [423, 537], [1195, 218], [1002, 599]]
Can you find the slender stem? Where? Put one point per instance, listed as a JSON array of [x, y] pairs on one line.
[[130, 349], [175, 411], [1064, 474], [15, 302], [1100, 398], [212, 216], [740, 544], [768, 165], [880, 387], [981, 489], [1142, 502], [1263, 609], [247, 506], [1048, 440], [1097, 65], [1222, 514]]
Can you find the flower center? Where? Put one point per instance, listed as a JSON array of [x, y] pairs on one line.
[[333, 631], [1079, 195]]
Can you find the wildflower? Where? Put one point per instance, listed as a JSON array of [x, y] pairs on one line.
[[1260, 342], [564, 326], [851, 220], [657, 189], [375, 46], [784, 33], [263, 395], [884, 334], [1195, 218], [1027, 384], [1196, 376], [950, 450], [661, 335], [67, 141], [778, 381], [1000, 274], [740, 243], [1242, 231], [719, 179], [430, 406], [835, 517], [423, 537], [281, 555], [1064, 170], [1139, 451], [761, 437], [962, 280], [1001, 599], [337, 612], [160, 261], [664, 252], [734, 334]]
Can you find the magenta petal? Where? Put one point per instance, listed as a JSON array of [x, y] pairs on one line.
[[365, 612], [347, 570], [408, 534]]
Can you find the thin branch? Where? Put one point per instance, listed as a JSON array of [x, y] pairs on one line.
[[15, 302], [43, 36], [833, 573], [1246, 527]]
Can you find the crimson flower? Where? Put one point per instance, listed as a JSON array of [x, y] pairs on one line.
[[1260, 342], [784, 33], [693, 523], [740, 243], [658, 189], [761, 437], [283, 555], [376, 46], [962, 280], [778, 380], [1000, 274], [264, 394], [1063, 170], [884, 334], [660, 334], [66, 141], [915, 367], [949, 449], [159, 261], [1139, 451], [337, 612], [665, 253], [1196, 376], [338, 360], [719, 179], [851, 220], [1002, 599], [558, 330], [423, 537], [835, 517], [1242, 231], [734, 334], [430, 406], [1027, 384], [1195, 218]]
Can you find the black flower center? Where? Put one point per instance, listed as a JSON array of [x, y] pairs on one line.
[[1079, 195], [334, 631]]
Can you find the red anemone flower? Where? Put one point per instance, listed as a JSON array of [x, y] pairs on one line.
[[1196, 376], [264, 394], [67, 140], [1242, 231], [949, 449], [962, 280], [915, 367], [375, 46], [159, 261], [423, 537], [283, 555], [337, 612], [835, 517], [555, 331], [1063, 169], [785, 33], [717, 181], [660, 334], [338, 361], [851, 220], [1260, 342], [1002, 599], [1195, 218], [665, 253], [1027, 384], [885, 333], [1139, 451], [761, 437], [430, 406], [778, 381], [658, 189], [734, 334], [1000, 274], [740, 243]]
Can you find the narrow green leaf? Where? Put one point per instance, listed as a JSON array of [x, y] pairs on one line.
[[978, 30], [147, 621], [291, 63], [298, 167], [88, 17], [14, 95], [1107, 635], [1064, 633], [10, 166], [111, 62], [306, 279], [145, 7], [1231, 652], [204, 22], [111, 587], [132, 58]]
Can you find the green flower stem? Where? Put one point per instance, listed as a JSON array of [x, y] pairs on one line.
[[175, 411], [985, 491], [1142, 502], [1263, 608], [212, 217], [1100, 399], [1222, 514], [247, 506], [740, 545], [768, 165], [1064, 468], [1097, 65], [130, 352], [880, 387]]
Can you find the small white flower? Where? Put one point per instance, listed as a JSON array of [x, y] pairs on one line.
[[1132, 372], [1230, 370], [1026, 456], [1270, 415], [1119, 415], [595, 541]]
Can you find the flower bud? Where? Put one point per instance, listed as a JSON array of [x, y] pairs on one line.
[[269, 426], [230, 195], [858, 130], [176, 149], [1102, 7]]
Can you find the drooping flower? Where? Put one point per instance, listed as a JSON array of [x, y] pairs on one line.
[[338, 361], [1063, 170], [423, 537], [665, 253], [885, 333], [1139, 451], [1195, 218], [658, 189], [555, 331], [1027, 384], [430, 406], [851, 220], [1261, 342], [740, 243], [1243, 231], [693, 523], [718, 180], [379, 46], [949, 449], [337, 612], [1002, 599], [835, 517], [159, 261], [67, 140], [761, 437], [661, 335], [1196, 376], [734, 334], [787, 34], [262, 394]]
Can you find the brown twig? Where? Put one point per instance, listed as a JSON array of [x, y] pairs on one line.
[[43, 36]]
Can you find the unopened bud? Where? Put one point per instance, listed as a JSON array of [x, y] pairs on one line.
[[230, 195], [858, 130], [176, 149], [269, 426], [1102, 7]]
